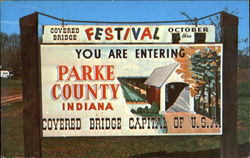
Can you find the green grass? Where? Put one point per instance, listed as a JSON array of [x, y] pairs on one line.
[[11, 86], [11, 131], [12, 138], [244, 89], [124, 146], [243, 117], [243, 112]]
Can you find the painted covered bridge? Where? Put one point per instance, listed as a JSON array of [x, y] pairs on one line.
[[168, 90]]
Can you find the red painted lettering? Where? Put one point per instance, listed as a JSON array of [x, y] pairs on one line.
[[145, 33], [89, 33], [108, 32], [62, 70]]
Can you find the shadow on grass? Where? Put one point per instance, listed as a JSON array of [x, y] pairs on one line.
[[243, 152]]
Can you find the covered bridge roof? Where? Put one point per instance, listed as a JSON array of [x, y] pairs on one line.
[[158, 77]]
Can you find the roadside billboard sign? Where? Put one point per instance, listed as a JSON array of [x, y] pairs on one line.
[[131, 90]]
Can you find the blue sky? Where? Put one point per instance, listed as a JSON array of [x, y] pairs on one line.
[[11, 11]]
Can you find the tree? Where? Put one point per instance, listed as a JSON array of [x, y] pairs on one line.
[[200, 68], [206, 67], [11, 52]]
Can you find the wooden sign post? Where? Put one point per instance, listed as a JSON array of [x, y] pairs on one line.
[[31, 85], [229, 37]]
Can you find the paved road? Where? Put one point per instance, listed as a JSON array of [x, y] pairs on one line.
[[5, 100]]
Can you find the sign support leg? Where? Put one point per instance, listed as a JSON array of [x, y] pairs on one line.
[[229, 38], [31, 85]]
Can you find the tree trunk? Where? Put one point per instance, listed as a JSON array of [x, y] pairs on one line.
[[203, 97], [217, 105], [209, 99]]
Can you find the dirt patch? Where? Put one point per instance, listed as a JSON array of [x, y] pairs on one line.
[[8, 92], [244, 75], [8, 99], [11, 114]]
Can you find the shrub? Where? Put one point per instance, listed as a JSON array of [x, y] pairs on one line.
[[139, 110], [133, 111], [153, 110]]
